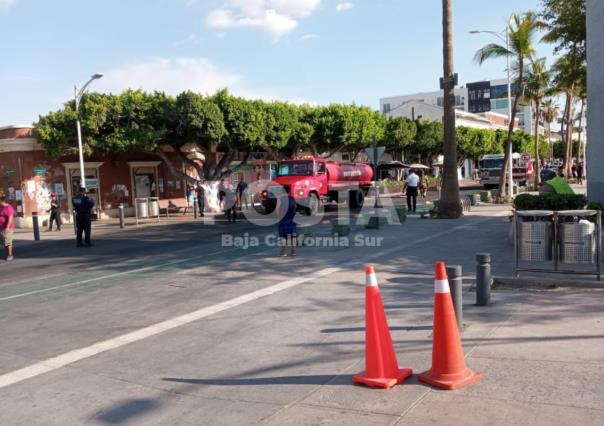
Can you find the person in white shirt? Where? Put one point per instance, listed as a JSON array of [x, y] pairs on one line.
[[412, 182]]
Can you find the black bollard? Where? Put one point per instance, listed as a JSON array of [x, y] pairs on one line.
[[483, 279], [195, 208], [454, 273], [34, 219], [75, 225], [121, 213]]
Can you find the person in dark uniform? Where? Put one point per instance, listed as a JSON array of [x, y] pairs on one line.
[[287, 227], [201, 197], [55, 211], [83, 205]]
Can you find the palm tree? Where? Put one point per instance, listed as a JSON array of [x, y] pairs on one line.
[[550, 113], [521, 31], [537, 88], [450, 204], [569, 73]]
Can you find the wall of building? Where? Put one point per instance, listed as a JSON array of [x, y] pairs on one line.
[[595, 99], [28, 176]]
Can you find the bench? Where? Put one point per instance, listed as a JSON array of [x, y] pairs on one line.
[[173, 205]]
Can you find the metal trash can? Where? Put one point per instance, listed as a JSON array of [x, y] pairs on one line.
[[153, 207], [535, 235], [474, 199], [142, 208], [486, 197], [577, 236]]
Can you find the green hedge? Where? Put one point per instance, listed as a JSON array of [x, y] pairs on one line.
[[550, 202]]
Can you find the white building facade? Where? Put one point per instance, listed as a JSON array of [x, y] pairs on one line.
[[477, 98]]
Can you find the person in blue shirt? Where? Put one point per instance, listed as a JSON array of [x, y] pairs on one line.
[[83, 205], [287, 227]]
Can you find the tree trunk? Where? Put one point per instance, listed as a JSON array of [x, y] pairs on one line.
[[450, 204], [582, 110], [568, 136], [537, 162], [502, 195]]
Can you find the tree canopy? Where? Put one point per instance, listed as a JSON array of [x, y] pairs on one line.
[[235, 127]]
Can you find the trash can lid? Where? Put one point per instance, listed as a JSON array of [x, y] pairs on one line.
[[582, 213], [541, 213]]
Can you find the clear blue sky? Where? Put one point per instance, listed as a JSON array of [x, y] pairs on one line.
[[318, 51]]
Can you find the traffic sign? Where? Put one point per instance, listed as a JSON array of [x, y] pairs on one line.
[[374, 153]]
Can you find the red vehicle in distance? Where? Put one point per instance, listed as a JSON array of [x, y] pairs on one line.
[[315, 181]]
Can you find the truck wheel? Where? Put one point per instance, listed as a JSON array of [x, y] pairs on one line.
[[313, 205], [357, 199]]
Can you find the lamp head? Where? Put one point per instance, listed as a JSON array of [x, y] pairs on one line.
[[97, 75], [474, 31]]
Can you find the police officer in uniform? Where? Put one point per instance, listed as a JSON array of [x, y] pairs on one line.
[[83, 205]]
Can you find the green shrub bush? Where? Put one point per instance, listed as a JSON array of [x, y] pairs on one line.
[[595, 206], [550, 202]]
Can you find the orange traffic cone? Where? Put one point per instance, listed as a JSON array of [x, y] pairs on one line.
[[449, 369], [381, 367]]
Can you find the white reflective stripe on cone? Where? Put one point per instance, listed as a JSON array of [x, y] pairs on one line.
[[441, 286], [371, 280]]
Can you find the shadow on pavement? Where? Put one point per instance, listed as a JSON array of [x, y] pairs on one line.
[[320, 379], [127, 410]]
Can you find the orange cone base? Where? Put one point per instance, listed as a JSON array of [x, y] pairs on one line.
[[386, 383], [450, 381]]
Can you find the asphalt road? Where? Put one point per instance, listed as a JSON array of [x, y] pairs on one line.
[[165, 325]]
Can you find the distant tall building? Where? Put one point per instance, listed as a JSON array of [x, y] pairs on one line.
[[484, 98]]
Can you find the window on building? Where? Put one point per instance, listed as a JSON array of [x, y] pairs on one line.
[[386, 108], [439, 101]]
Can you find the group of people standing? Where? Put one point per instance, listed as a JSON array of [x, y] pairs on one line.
[[229, 198]]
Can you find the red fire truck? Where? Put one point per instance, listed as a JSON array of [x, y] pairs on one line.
[[491, 165], [314, 181]]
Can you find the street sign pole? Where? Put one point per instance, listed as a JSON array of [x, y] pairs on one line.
[[374, 155]]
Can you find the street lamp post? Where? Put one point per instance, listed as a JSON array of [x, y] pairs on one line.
[[506, 40], [78, 97]]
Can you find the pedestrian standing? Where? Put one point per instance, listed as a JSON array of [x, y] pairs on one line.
[[83, 205], [221, 193], [230, 203], [412, 182], [7, 226], [242, 194], [580, 173], [573, 170], [55, 211], [201, 197], [423, 184], [190, 194], [287, 228]]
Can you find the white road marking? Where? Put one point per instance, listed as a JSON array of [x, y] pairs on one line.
[[62, 360], [71, 357]]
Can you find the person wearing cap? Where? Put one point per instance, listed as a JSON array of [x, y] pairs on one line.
[[83, 205], [7, 225], [55, 211]]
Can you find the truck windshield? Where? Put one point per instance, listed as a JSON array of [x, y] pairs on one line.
[[494, 163], [295, 168]]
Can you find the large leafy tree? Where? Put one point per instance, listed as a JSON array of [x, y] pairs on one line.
[[521, 31], [537, 88], [429, 140], [400, 133], [450, 204]]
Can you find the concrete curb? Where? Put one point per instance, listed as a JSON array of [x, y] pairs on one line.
[[545, 283]]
